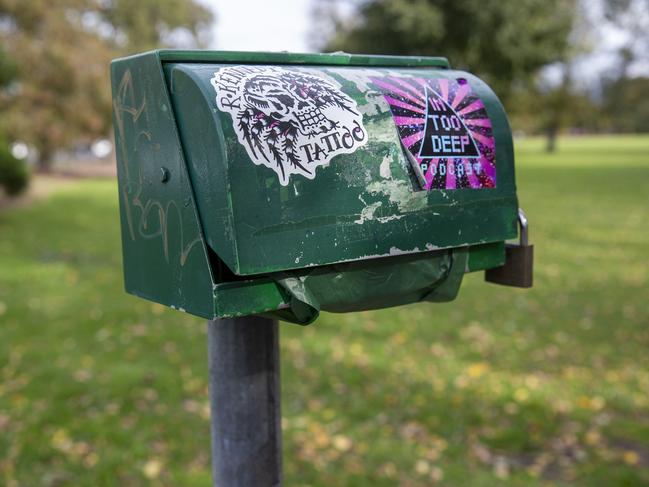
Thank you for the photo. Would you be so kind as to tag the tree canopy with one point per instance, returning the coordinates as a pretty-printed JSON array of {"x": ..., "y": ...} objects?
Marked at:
[
  {"x": 62, "y": 50},
  {"x": 7, "y": 68},
  {"x": 506, "y": 42}
]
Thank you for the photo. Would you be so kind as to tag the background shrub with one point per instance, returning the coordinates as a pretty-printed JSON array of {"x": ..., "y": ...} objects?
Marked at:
[{"x": 14, "y": 175}]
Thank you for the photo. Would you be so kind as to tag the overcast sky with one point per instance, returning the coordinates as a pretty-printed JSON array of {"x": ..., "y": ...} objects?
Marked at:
[{"x": 261, "y": 25}]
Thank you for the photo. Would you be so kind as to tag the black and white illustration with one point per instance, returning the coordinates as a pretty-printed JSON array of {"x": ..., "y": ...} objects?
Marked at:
[{"x": 289, "y": 120}]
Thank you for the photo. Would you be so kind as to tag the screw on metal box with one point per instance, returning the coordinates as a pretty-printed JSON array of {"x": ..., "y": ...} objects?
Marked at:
[{"x": 519, "y": 260}]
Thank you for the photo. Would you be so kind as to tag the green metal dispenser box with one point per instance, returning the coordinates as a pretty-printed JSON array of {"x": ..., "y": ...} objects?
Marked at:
[{"x": 285, "y": 184}]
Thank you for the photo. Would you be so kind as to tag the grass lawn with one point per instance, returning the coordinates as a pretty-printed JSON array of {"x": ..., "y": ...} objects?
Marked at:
[{"x": 548, "y": 386}]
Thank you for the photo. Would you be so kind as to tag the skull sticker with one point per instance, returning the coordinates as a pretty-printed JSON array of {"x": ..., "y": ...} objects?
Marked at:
[{"x": 291, "y": 121}]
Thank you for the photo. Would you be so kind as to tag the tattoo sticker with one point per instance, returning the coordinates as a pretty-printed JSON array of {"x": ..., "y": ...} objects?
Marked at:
[
  {"x": 290, "y": 121},
  {"x": 444, "y": 129}
]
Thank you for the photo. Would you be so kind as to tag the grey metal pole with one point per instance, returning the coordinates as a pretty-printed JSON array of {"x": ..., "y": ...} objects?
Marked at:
[{"x": 245, "y": 402}]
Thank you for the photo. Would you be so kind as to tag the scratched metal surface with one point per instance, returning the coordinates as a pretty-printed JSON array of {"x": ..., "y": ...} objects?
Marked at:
[
  {"x": 360, "y": 206},
  {"x": 163, "y": 250}
]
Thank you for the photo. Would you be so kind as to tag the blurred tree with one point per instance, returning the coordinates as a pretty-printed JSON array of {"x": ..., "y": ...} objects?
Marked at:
[
  {"x": 550, "y": 109},
  {"x": 13, "y": 173},
  {"x": 559, "y": 104},
  {"x": 505, "y": 42},
  {"x": 148, "y": 24},
  {"x": 63, "y": 49},
  {"x": 7, "y": 68},
  {"x": 631, "y": 17},
  {"x": 626, "y": 103},
  {"x": 624, "y": 96}
]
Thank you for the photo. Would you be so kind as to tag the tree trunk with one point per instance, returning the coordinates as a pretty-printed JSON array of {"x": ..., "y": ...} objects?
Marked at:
[
  {"x": 551, "y": 144},
  {"x": 45, "y": 160},
  {"x": 559, "y": 107}
]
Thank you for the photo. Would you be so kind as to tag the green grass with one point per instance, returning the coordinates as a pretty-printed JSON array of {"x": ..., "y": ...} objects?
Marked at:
[{"x": 548, "y": 386}]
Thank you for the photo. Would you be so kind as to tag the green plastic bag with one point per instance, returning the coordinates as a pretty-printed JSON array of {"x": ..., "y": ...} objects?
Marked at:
[{"x": 374, "y": 284}]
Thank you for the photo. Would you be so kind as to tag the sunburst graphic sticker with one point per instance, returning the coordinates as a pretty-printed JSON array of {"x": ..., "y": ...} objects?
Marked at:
[{"x": 445, "y": 129}]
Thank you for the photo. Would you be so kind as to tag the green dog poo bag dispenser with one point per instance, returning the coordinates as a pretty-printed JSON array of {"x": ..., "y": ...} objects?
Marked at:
[{"x": 286, "y": 184}]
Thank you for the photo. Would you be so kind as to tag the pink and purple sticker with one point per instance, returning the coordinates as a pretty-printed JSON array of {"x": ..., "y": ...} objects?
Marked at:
[{"x": 445, "y": 128}]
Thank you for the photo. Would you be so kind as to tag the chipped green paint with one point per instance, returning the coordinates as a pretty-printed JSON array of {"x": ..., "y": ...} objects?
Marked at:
[
  {"x": 400, "y": 193},
  {"x": 223, "y": 236}
]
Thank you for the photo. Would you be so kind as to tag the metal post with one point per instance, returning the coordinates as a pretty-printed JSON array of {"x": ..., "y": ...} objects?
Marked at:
[{"x": 245, "y": 402}]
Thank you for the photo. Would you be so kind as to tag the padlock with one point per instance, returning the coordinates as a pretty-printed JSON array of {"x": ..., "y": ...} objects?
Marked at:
[{"x": 519, "y": 260}]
